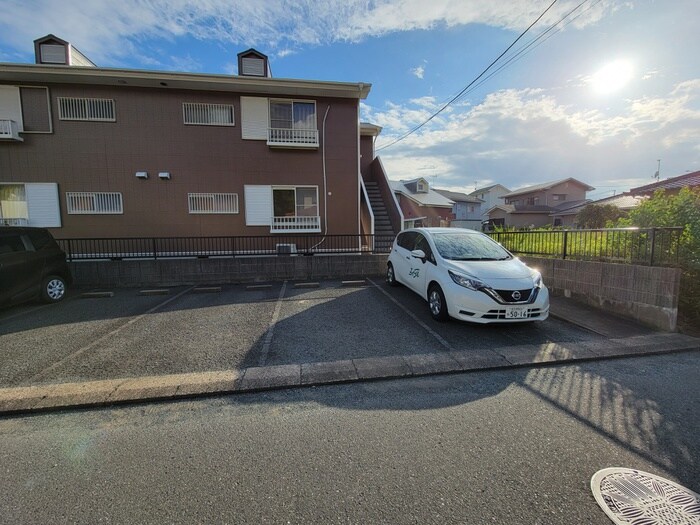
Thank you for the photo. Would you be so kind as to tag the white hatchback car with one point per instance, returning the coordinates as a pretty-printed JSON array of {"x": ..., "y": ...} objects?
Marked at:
[{"x": 466, "y": 275}]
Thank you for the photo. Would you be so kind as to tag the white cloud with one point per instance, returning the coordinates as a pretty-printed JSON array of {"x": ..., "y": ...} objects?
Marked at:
[
  {"x": 531, "y": 137},
  {"x": 107, "y": 31},
  {"x": 418, "y": 72}
]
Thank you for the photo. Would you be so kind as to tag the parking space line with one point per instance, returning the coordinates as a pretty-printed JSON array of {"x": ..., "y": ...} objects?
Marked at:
[
  {"x": 271, "y": 329},
  {"x": 413, "y": 316},
  {"x": 42, "y": 375}
]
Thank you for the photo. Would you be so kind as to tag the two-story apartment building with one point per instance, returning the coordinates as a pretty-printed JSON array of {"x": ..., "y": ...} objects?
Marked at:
[
  {"x": 535, "y": 205},
  {"x": 99, "y": 152}
]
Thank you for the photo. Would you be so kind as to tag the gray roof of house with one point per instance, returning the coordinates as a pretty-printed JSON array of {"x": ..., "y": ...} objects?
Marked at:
[
  {"x": 674, "y": 183},
  {"x": 624, "y": 201},
  {"x": 545, "y": 186},
  {"x": 431, "y": 198},
  {"x": 458, "y": 197},
  {"x": 486, "y": 189}
]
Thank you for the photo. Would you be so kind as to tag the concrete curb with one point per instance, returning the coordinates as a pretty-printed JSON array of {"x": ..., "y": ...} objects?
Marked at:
[{"x": 32, "y": 399}]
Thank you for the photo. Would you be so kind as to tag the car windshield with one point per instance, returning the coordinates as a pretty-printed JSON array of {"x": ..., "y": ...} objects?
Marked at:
[{"x": 469, "y": 247}]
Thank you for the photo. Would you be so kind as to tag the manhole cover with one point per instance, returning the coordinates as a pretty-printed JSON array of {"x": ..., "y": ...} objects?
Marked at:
[{"x": 633, "y": 497}]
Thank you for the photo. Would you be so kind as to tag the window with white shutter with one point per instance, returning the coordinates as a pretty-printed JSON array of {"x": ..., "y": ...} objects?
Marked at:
[
  {"x": 211, "y": 203},
  {"x": 97, "y": 109},
  {"x": 94, "y": 203},
  {"x": 208, "y": 114}
]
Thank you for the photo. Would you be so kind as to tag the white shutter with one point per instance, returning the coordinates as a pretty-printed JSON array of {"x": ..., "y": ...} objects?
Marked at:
[
  {"x": 254, "y": 118},
  {"x": 258, "y": 205},
  {"x": 42, "y": 202},
  {"x": 11, "y": 105}
]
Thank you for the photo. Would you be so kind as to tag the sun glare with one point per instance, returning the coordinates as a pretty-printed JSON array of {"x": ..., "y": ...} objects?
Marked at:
[{"x": 612, "y": 77}]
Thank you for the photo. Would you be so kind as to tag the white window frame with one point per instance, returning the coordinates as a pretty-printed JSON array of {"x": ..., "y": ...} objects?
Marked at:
[
  {"x": 203, "y": 110},
  {"x": 102, "y": 203},
  {"x": 221, "y": 203},
  {"x": 294, "y": 137},
  {"x": 102, "y": 106},
  {"x": 296, "y": 223}
]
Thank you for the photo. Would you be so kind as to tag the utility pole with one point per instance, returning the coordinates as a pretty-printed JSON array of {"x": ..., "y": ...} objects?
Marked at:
[{"x": 658, "y": 170}]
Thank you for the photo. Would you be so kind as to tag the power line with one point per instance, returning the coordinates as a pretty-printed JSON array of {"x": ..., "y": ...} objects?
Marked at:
[
  {"x": 524, "y": 50},
  {"x": 511, "y": 59}
]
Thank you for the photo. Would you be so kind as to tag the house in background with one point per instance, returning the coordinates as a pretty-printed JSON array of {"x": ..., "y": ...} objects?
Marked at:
[
  {"x": 100, "y": 152},
  {"x": 534, "y": 205},
  {"x": 672, "y": 185},
  {"x": 421, "y": 205},
  {"x": 567, "y": 217},
  {"x": 490, "y": 197},
  {"x": 466, "y": 209}
]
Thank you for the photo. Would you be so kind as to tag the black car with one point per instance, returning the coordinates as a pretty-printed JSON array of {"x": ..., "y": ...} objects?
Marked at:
[{"x": 32, "y": 266}]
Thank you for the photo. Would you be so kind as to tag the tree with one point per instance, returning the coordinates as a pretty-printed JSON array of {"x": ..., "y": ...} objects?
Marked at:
[
  {"x": 598, "y": 215},
  {"x": 682, "y": 209}
]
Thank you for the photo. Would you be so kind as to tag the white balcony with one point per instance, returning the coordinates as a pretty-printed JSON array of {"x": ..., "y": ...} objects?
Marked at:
[
  {"x": 9, "y": 130},
  {"x": 296, "y": 224},
  {"x": 292, "y": 138}
]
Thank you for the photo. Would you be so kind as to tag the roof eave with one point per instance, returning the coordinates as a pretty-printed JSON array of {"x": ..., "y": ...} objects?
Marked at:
[{"x": 41, "y": 73}]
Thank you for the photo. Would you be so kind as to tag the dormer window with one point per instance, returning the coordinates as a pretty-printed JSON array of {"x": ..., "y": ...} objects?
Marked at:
[
  {"x": 421, "y": 186},
  {"x": 252, "y": 63},
  {"x": 52, "y": 54}
]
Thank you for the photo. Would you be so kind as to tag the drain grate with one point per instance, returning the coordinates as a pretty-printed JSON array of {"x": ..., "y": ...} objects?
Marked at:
[{"x": 633, "y": 497}]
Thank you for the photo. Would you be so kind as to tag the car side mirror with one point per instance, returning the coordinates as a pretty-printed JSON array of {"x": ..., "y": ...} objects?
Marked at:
[{"x": 418, "y": 254}]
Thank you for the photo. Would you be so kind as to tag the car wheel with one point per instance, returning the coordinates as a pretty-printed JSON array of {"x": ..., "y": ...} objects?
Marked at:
[
  {"x": 390, "y": 276},
  {"x": 437, "y": 304},
  {"x": 53, "y": 289}
]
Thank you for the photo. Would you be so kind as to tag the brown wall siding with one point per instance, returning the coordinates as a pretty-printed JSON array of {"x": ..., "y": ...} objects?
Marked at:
[
  {"x": 367, "y": 152},
  {"x": 149, "y": 135}
]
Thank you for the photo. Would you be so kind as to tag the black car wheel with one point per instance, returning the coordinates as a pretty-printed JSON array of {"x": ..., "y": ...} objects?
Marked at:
[
  {"x": 437, "y": 304},
  {"x": 390, "y": 277},
  {"x": 53, "y": 289}
]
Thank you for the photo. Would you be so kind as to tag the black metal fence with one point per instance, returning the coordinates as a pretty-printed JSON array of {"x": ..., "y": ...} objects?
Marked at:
[
  {"x": 645, "y": 246},
  {"x": 204, "y": 247}
]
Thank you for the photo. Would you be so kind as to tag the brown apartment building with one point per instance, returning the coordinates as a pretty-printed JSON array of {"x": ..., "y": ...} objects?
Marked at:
[{"x": 96, "y": 152}]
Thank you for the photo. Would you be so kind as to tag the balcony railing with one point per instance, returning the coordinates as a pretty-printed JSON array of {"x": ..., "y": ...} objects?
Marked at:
[
  {"x": 9, "y": 130},
  {"x": 295, "y": 224},
  {"x": 292, "y": 138},
  {"x": 13, "y": 221}
]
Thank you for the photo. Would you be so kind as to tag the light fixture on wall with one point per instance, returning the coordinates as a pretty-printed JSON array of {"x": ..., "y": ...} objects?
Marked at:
[
  {"x": 141, "y": 174},
  {"x": 164, "y": 175}
]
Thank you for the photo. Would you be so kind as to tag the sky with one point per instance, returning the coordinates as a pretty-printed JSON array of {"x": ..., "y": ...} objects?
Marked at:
[{"x": 607, "y": 91}]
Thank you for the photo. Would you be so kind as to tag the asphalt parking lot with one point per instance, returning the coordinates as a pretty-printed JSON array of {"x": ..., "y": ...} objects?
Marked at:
[{"x": 235, "y": 327}]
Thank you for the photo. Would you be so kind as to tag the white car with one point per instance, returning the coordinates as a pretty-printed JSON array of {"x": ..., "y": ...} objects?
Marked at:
[{"x": 466, "y": 275}]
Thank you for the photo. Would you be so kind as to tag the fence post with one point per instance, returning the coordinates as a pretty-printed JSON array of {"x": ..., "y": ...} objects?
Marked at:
[
  {"x": 564, "y": 241},
  {"x": 70, "y": 251},
  {"x": 653, "y": 247},
  {"x": 153, "y": 243}
]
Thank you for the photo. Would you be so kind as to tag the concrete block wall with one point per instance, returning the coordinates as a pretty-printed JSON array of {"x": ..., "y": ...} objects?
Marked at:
[
  {"x": 646, "y": 294},
  {"x": 643, "y": 293},
  {"x": 172, "y": 272}
]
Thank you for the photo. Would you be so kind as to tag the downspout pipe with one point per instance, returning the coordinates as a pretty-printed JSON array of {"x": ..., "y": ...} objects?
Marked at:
[{"x": 325, "y": 182}]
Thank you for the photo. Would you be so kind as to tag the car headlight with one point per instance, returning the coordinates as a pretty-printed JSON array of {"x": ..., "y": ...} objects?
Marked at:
[
  {"x": 467, "y": 281},
  {"x": 537, "y": 280}
]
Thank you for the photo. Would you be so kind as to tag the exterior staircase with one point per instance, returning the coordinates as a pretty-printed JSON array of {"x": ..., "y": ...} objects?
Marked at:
[{"x": 383, "y": 231}]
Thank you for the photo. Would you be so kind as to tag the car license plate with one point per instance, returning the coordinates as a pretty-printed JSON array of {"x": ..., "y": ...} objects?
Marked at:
[{"x": 516, "y": 312}]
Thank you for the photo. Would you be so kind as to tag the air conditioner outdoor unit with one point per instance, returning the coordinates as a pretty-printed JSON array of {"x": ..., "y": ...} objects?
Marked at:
[{"x": 286, "y": 249}]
